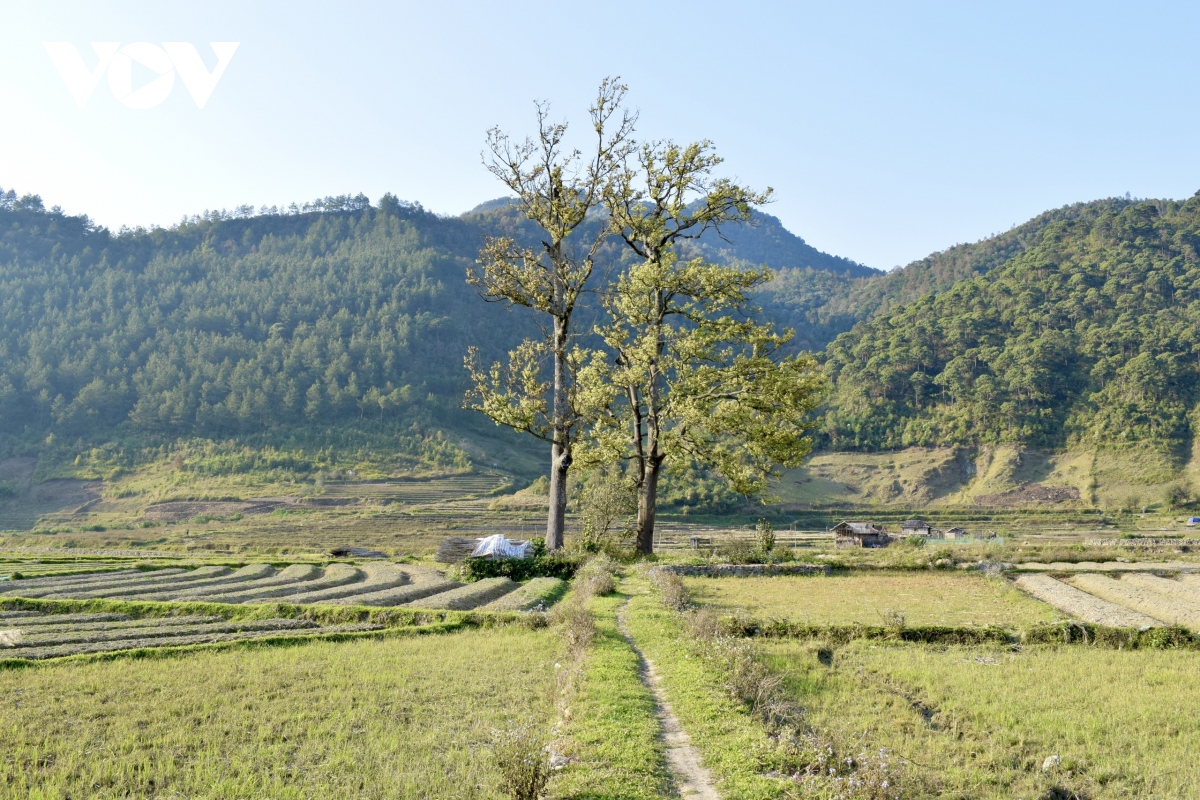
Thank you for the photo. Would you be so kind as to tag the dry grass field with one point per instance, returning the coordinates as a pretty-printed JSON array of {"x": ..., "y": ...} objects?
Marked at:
[
  {"x": 869, "y": 598},
  {"x": 976, "y": 723}
]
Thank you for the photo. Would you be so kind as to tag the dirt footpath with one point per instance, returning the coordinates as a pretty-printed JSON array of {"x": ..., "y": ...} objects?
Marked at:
[{"x": 688, "y": 775}]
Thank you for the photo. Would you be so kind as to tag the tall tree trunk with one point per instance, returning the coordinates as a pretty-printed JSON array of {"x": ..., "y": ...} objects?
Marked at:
[
  {"x": 560, "y": 463},
  {"x": 560, "y": 451},
  {"x": 648, "y": 505}
]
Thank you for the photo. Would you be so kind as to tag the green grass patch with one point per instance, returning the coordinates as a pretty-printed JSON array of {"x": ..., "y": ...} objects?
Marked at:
[
  {"x": 398, "y": 717},
  {"x": 320, "y": 614},
  {"x": 612, "y": 731}
]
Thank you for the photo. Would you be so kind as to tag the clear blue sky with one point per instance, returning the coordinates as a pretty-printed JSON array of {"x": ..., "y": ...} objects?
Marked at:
[{"x": 887, "y": 130}]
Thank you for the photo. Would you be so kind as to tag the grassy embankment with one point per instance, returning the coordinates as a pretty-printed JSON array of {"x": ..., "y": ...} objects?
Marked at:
[{"x": 612, "y": 730}]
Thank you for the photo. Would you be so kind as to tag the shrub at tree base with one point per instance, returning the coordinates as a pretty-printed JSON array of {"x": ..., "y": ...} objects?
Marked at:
[{"x": 542, "y": 565}]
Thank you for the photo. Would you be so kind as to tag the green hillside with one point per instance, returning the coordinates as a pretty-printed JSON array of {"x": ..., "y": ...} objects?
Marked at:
[{"x": 1089, "y": 335}]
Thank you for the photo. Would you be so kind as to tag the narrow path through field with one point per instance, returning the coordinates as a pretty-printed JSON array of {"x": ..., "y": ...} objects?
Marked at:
[{"x": 689, "y": 776}]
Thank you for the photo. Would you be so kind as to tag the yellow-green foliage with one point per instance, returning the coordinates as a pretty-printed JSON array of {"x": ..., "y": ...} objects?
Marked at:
[
  {"x": 977, "y": 724},
  {"x": 392, "y": 718},
  {"x": 923, "y": 598}
]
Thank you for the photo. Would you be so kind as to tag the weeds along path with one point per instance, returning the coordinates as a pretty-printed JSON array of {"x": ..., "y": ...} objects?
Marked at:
[{"x": 690, "y": 777}]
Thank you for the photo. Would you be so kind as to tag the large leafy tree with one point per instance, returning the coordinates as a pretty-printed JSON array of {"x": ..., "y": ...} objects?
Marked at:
[
  {"x": 696, "y": 377},
  {"x": 558, "y": 190}
]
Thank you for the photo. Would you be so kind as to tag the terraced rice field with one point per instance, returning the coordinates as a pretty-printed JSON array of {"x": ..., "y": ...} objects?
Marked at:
[
  {"x": 1134, "y": 600},
  {"x": 1084, "y": 606},
  {"x": 874, "y": 598},
  {"x": 537, "y": 593},
  {"x": 371, "y": 584},
  {"x": 35, "y": 636},
  {"x": 28, "y": 569},
  {"x": 1149, "y": 601}
]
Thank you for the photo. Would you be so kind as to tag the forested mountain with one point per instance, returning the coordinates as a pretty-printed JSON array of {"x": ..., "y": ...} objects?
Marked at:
[
  {"x": 765, "y": 241},
  {"x": 234, "y": 325},
  {"x": 330, "y": 323},
  {"x": 1090, "y": 333}
]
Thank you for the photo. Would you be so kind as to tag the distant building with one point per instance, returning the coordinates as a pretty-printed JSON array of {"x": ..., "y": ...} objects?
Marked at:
[
  {"x": 917, "y": 527},
  {"x": 859, "y": 534},
  {"x": 956, "y": 533}
]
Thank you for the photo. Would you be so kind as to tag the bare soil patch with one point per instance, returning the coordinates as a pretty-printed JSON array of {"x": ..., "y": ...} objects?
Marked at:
[
  {"x": 35, "y": 500},
  {"x": 183, "y": 510},
  {"x": 1030, "y": 494}
]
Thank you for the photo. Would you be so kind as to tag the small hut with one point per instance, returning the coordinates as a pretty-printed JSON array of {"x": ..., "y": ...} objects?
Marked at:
[
  {"x": 859, "y": 534},
  {"x": 956, "y": 533}
]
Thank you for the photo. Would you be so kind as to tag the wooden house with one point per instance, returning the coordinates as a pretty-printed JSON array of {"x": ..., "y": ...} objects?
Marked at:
[
  {"x": 918, "y": 527},
  {"x": 956, "y": 533},
  {"x": 859, "y": 534}
]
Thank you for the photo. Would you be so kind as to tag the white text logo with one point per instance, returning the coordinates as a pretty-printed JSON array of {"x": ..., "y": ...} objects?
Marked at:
[{"x": 118, "y": 61}]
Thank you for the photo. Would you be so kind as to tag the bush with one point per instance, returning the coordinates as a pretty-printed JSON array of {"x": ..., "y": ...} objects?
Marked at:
[
  {"x": 671, "y": 591},
  {"x": 522, "y": 760},
  {"x": 596, "y": 577},
  {"x": 739, "y": 551},
  {"x": 1179, "y": 495},
  {"x": 1074, "y": 632},
  {"x": 577, "y": 626},
  {"x": 606, "y": 504}
]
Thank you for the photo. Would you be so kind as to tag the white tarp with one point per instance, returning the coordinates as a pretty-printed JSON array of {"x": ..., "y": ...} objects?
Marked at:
[{"x": 496, "y": 546}]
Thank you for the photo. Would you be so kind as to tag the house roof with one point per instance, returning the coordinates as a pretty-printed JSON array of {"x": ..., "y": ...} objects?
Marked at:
[
  {"x": 914, "y": 523},
  {"x": 860, "y": 528}
]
